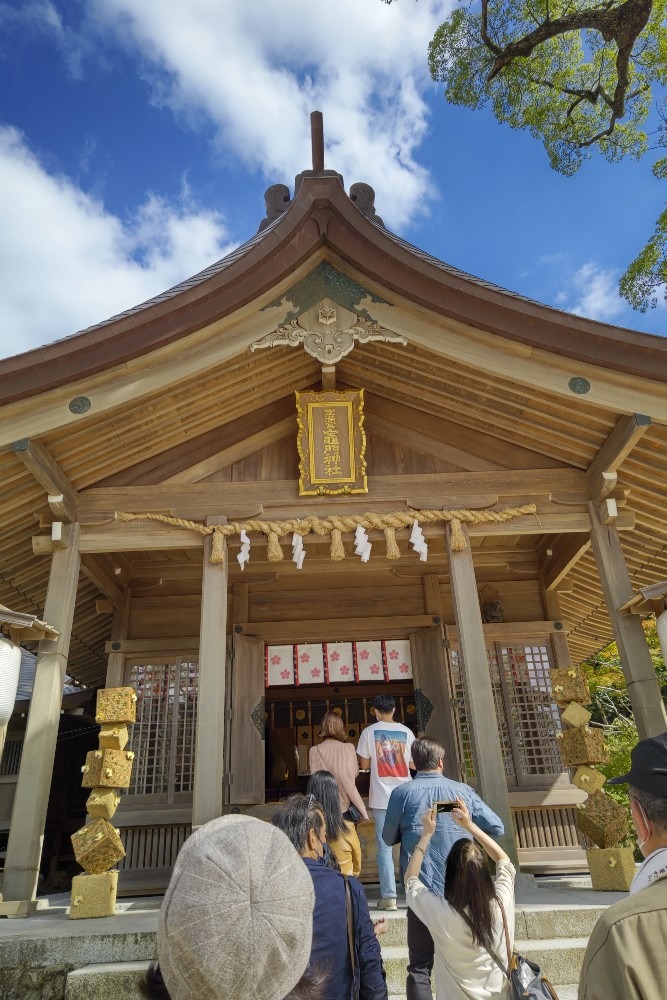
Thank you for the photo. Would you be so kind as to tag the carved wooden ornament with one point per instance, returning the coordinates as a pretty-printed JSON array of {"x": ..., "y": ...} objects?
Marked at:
[{"x": 331, "y": 442}]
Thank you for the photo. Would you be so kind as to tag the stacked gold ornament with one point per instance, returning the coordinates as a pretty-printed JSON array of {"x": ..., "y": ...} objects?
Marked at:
[
  {"x": 600, "y": 817},
  {"x": 97, "y": 845}
]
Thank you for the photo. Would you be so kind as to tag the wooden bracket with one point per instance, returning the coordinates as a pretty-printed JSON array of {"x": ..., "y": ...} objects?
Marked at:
[
  {"x": 602, "y": 472},
  {"x": 608, "y": 511}
]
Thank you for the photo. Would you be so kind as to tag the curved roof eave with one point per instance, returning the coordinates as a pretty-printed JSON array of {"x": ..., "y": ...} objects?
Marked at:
[{"x": 322, "y": 215}]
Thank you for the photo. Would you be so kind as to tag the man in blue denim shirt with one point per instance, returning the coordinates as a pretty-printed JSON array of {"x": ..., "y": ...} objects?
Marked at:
[{"x": 403, "y": 824}]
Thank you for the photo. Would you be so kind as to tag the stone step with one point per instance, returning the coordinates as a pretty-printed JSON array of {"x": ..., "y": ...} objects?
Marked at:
[
  {"x": 560, "y": 960},
  {"x": 117, "y": 980},
  {"x": 531, "y": 923},
  {"x": 112, "y": 981}
]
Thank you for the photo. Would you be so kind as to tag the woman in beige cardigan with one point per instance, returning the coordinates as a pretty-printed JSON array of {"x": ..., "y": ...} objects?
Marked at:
[{"x": 336, "y": 755}]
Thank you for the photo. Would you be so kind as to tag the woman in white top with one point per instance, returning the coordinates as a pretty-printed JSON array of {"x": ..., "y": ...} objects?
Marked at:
[{"x": 467, "y": 921}]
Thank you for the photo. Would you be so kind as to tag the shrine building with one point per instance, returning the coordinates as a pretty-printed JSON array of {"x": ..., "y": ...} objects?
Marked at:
[{"x": 325, "y": 467}]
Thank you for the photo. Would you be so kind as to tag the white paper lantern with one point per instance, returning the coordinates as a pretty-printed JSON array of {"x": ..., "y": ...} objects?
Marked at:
[{"x": 10, "y": 664}]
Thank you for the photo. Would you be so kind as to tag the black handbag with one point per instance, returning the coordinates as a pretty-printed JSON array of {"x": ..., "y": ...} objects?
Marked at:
[
  {"x": 353, "y": 813},
  {"x": 525, "y": 977}
]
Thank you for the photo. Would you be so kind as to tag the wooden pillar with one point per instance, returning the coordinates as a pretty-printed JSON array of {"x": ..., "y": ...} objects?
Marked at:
[
  {"x": 643, "y": 688},
  {"x": 489, "y": 767},
  {"x": 210, "y": 742},
  {"x": 119, "y": 629},
  {"x": 26, "y": 835}
]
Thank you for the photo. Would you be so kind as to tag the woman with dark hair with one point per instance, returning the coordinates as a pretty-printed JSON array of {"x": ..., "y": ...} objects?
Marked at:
[
  {"x": 302, "y": 820},
  {"x": 467, "y": 924},
  {"x": 342, "y": 839},
  {"x": 336, "y": 755}
]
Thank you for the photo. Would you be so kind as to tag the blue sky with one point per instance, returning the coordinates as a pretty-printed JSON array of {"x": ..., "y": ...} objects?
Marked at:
[{"x": 137, "y": 138}]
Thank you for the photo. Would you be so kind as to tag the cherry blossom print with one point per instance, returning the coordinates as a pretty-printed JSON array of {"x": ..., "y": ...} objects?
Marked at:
[
  {"x": 284, "y": 674},
  {"x": 315, "y": 672},
  {"x": 344, "y": 671},
  {"x": 375, "y": 669},
  {"x": 364, "y": 654},
  {"x": 335, "y": 656},
  {"x": 275, "y": 660},
  {"x": 393, "y": 654},
  {"x": 305, "y": 657},
  {"x": 403, "y": 667}
]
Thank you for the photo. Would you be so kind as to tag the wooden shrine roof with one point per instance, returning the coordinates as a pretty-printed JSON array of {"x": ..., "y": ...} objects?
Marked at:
[{"x": 178, "y": 398}]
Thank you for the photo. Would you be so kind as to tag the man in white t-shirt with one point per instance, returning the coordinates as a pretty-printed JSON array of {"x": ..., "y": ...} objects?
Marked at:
[{"x": 385, "y": 748}]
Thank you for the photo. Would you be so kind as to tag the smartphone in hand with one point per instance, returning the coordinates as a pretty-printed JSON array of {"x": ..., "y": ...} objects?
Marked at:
[{"x": 446, "y": 807}]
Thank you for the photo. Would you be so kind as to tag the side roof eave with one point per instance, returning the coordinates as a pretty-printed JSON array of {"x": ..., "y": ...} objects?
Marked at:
[{"x": 323, "y": 215}]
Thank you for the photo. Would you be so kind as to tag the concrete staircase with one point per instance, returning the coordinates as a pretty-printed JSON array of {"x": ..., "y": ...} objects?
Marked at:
[{"x": 102, "y": 959}]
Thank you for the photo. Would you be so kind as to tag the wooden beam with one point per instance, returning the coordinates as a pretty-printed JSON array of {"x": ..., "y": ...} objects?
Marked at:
[
  {"x": 188, "y": 453},
  {"x": 26, "y": 833},
  {"x": 502, "y": 631},
  {"x": 235, "y": 453},
  {"x": 210, "y": 765},
  {"x": 489, "y": 769},
  {"x": 212, "y": 498},
  {"x": 145, "y": 536},
  {"x": 119, "y": 629},
  {"x": 601, "y": 472},
  {"x": 38, "y": 459},
  {"x": 635, "y": 656},
  {"x": 565, "y": 554},
  {"x": 94, "y": 569},
  {"x": 494, "y": 451},
  {"x": 139, "y": 536},
  {"x": 333, "y": 629},
  {"x": 429, "y": 445},
  {"x": 328, "y": 378}
]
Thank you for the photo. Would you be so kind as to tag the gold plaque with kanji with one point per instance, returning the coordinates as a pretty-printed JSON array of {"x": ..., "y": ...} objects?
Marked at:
[{"x": 332, "y": 443}]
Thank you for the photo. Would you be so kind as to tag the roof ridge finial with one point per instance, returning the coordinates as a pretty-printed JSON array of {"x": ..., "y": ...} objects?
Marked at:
[{"x": 317, "y": 140}]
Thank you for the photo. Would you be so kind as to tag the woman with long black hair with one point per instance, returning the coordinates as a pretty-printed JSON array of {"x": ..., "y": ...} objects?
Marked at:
[
  {"x": 466, "y": 924},
  {"x": 342, "y": 839}
]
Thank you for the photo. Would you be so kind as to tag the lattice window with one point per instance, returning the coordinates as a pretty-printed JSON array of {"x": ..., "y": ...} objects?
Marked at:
[
  {"x": 11, "y": 757},
  {"x": 534, "y": 714},
  {"x": 163, "y": 737},
  {"x": 527, "y": 718}
]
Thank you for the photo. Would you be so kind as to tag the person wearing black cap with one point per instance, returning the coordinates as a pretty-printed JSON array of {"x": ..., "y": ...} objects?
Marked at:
[{"x": 626, "y": 957}]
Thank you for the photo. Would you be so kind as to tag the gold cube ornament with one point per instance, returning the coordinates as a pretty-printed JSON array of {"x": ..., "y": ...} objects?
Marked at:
[
  {"x": 602, "y": 820},
  {"x": 569, "y": 684},
  {"x": 113, "y": 736},
  {"x": 574, "y": 715},
  {"x": 116, "y": 705},
  {"x": 107, "y": 769},
  {"x": 588, "y": 779},
  {"x": 582, "y": 746},
  {"x": 94, "y": 895},
  {"x": 103, "y": 802},
  {"x": 612, "y": 869},
  {"x": 97, "y": 846}
]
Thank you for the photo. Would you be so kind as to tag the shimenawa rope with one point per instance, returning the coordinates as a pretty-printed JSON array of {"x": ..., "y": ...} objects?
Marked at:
[{"x": 334, "y": 527}]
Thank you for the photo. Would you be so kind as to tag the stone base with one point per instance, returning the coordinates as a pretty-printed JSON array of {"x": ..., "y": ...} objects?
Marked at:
[
  {"x": 94, "y": 895},
  {"x": 612, "y": 869}
]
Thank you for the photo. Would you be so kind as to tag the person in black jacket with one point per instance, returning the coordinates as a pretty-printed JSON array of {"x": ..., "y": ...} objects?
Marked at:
[{"x": 302, "y": 820}]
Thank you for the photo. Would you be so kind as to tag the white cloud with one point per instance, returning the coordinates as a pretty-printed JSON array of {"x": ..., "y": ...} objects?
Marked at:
[
  {"x": 256, "y": 69},
  {"x": 66, "y": 262},
  {"x": 592, "y": 291}
]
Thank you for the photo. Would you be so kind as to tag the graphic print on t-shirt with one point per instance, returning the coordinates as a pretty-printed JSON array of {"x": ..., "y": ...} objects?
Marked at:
[{"x": 390, "y": 753}]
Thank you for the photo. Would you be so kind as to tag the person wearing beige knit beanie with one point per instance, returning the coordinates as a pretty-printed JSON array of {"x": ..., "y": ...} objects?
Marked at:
[{"x": 237, "y": 918}]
